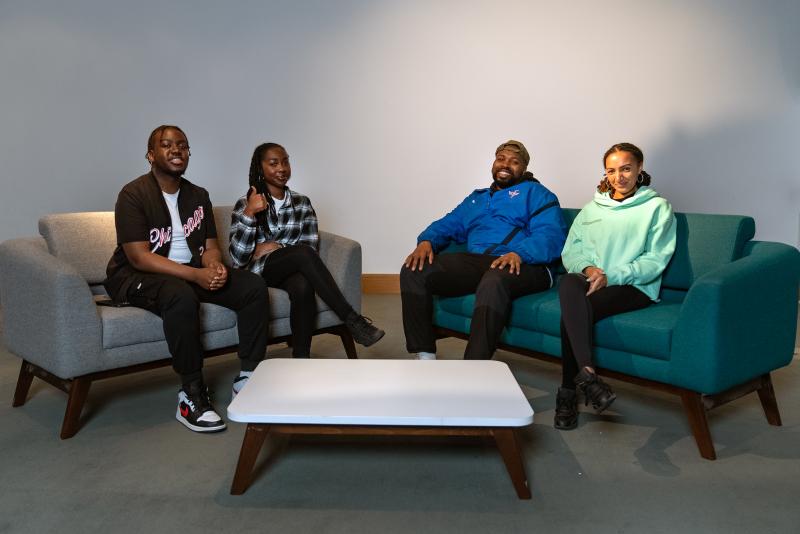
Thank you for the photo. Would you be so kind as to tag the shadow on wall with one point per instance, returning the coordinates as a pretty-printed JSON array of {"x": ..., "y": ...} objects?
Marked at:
[{"x": 745, "y": 166}]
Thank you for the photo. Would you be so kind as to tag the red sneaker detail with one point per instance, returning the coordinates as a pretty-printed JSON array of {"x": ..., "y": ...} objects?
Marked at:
[{"x": 184, "y": 411}]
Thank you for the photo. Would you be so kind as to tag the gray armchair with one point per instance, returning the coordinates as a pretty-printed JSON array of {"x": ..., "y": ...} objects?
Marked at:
[{"x": 49, "y": 287}]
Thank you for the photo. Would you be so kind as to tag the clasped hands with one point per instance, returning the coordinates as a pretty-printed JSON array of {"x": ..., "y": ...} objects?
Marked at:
[{"x": 213, "y": 276}]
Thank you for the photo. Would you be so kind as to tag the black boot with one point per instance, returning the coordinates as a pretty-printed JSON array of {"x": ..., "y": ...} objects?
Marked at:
[
  {"x": 362, "y": 329},
  {"x": 566, "y": 417},
  {"x": 595, "y": 389}
]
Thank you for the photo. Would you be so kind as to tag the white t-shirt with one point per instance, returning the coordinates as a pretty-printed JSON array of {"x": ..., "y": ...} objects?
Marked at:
[
  {"x": 279, "y": 202},
  {"x": 179, "y": 248}
]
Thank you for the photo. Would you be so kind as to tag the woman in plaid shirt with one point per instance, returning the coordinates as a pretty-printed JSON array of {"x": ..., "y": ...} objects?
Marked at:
[{"x": 274, "y": 233}]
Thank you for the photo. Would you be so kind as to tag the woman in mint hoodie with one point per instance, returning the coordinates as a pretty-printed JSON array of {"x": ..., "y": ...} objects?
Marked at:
[{"x": 615, "y": 254}]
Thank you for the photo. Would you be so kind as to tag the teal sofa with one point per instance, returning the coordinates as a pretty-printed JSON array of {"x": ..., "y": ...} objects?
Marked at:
[{"x": 726, "y": 319}]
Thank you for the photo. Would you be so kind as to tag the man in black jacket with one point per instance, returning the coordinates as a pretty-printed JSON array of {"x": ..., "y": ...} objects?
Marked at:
[{"x": 168, "y": 261}]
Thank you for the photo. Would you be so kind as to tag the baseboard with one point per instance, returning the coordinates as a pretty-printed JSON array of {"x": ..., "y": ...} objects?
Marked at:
[{"x": 380, "y": 284}]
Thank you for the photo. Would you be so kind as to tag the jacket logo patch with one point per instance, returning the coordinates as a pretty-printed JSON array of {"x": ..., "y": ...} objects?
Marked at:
[{"x": 512, "y": 194}]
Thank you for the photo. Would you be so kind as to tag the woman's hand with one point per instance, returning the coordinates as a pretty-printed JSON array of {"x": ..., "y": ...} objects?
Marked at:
[
  {"x": 596, "y": 278},
  {"x": 255, "y": 203},
  {"x": 262, "y": 249}
]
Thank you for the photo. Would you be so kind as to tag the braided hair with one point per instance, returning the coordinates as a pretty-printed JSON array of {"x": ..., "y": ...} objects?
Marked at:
[
  {"x": 151, "y": 141},
  {"x": 643, "y": 179},
  {"x": 256, "y": 179}
]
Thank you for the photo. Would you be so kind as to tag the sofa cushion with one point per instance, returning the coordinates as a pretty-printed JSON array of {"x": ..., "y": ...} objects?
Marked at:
[
  {"x": 131, "y": 325},
  {"x": 705, "y": 242},
  {"x": 647, "y": 332},
  {"x": 84, "y": 240}
]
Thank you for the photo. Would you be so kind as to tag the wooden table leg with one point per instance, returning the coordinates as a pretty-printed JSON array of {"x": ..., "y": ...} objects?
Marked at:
[
  {"x": 254, "y": 438},
  {"x": 506, "y": 441}
]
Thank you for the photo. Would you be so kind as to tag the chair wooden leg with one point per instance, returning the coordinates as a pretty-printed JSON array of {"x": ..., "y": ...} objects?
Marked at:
[
  {"x": 696, "y": 412},
  {"x": 78, "y": 390},
  {"x": 347, "y": 341},
  {"x": 23, "y": 384},
  {"x": 766, "y": 393}
]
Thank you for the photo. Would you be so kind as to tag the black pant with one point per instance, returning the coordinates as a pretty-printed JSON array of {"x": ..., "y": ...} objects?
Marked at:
[
  {"x": 177, "y": 302},
  {"x": 299, "y": 271},
  {"x": 579, "y": 313},
  {"x": 457, "y": 274}
]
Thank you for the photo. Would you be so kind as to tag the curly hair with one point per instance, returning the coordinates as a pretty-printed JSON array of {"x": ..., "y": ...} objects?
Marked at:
[{"x": 643, "y": 179}]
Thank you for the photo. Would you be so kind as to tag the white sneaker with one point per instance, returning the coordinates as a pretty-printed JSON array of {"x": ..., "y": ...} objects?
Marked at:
[
  {"x": 426, "y": 355},
  {"x": 239, "y": 382}
]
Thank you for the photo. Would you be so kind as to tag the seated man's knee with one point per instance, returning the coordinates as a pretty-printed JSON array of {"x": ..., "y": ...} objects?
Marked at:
[
  {"x": 409, "y": 277},
  {"x": 493, "y": 280},
  {"x": 178, "y": 298},
  {"x": 254, "y": 286}
]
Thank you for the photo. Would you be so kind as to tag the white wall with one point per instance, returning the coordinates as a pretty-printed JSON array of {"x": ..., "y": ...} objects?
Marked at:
[{"x": 391, "y": 110}]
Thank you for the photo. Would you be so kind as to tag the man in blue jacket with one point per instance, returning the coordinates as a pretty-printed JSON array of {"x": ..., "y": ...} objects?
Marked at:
[{"x": 513, "y": 231}]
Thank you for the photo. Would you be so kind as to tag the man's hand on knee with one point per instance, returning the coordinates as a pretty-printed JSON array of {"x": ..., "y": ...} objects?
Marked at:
[
  {"x": 510, "y": 260},
  {"x": 421, "y": 254}
]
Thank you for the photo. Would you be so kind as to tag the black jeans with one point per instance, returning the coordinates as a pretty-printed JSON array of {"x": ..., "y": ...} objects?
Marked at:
[
  {"x": 177, "y": 302},
  {"x": 457, "y": 274},
  {"x": 299, "y": 271},
  {"x": 579, "y": 313}
]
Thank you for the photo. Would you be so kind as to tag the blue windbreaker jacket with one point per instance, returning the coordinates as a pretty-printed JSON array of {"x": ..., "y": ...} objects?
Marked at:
[{"x": 483, "y": 220}]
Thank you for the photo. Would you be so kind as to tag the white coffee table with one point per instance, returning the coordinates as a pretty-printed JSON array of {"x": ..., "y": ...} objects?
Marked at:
[{"x": 382, "y": 397}]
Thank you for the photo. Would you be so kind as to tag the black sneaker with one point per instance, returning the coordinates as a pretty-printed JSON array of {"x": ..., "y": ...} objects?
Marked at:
[
  {"x": 195, "y": 410},
  {"x": 595, "y": 390},
  {"x": 364, "y": 333},
  {"x": 566, "y": 417}
]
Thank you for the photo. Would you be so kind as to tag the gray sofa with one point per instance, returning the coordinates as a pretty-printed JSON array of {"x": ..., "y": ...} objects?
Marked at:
[{"x": 49, "y": 287}]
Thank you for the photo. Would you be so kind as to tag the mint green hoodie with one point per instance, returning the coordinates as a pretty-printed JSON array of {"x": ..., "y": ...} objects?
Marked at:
[{"x": 631, "y": 241}]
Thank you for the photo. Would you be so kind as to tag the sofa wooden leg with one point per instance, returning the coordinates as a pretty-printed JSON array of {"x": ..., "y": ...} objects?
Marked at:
[
  {"x": 23, "y": 384},
  {"x": 347, "y": 341},
  {"x": 78, "y": 390},
  {"x": 696, "y": 412},
  {"x": 766, "y": 393}
]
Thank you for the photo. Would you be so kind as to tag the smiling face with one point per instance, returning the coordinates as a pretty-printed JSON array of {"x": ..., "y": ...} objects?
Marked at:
[
  {"x": 170, "y": 153},
  {"x": 622, "y": 171},
  {"x": 276, "y": 170},
  {"x": 507, "y": 168}
]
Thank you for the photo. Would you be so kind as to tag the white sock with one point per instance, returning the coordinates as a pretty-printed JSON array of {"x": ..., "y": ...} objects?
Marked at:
[
  {"x": 426, "y": 355},
  {"x": 245, "y": 374}
]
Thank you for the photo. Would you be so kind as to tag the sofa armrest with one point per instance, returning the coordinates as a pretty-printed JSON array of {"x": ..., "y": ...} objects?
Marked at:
[
  {"x": 343, "y": 258},
  {"x": 49, "y": 315},
  {"x": 738, "y": 321}
]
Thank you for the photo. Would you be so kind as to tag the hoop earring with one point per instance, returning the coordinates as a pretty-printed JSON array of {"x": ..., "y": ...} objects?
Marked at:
[{"x": 640, "y": 179}]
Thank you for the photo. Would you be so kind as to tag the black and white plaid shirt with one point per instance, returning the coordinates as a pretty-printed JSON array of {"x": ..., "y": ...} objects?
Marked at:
[{"x": 295, "y": 223}]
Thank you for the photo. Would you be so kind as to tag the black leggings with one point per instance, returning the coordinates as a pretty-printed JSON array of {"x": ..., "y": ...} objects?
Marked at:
[
  {"x": 299, "y": 271},
  {"x": 579, "y": 313}
]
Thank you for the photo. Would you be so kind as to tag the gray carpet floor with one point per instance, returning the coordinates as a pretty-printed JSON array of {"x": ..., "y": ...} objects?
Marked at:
[{"x": 635, "y": 468}]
